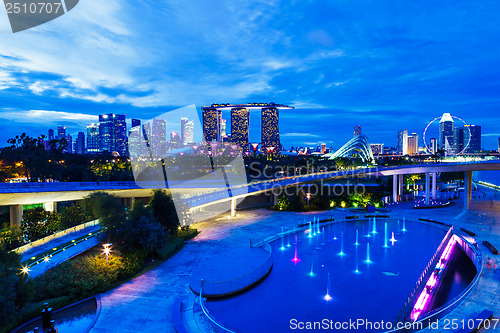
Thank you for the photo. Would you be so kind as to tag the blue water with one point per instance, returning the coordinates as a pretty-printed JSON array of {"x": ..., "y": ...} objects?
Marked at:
[
  {"x": 74, "y": 319},
  {"x": 289, "y": 292},
  {"x": 492, "y": 177}
]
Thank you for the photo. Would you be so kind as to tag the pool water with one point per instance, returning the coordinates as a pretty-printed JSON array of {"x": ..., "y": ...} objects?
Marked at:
[
  {"x": 74, "y": 319},
  {"x": 296, "y": 290}
]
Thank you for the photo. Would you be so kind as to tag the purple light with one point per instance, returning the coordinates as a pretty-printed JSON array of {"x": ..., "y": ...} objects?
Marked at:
[
  {"x": 425, "y": 295},
  {"x": 295, "y": 259}
]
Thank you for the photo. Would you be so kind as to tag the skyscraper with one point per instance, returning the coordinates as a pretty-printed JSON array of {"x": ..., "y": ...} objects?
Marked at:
[
  {"x": 446, "y": 132},
  {"x": 413, "y": 144},
  {"x": 433, "y": 146},
  {"x": 135, "y": 138},
  {"x": 403, "y": 142},
  {"x": 377, "y": 148},
  {"x": 80, "y": 143},
  {"x": 475, "y": 138},
  {"x": 113, "y": 133},
  {"x": 61, "y": 132},
  {"x": 357, "y": 130},
  {"x": 159, "y": 137},
  {"x": 240, "y": 120},
  {"x": 188, "y": 133},
  {"x": 69, "y": 147},
  {"x": 120, "y": 134},
  {"x": 51, "y": 135},
  {"x": 92, "y": 138},
  {"x": 175, "y": 140},
  {"x": 211, "y": 124},
  {"x": 223, "y": 129},
  {"x": 183, "y": 123},
  {"x": 459, "y": 139},
  {"x": 270, "y": 133}
]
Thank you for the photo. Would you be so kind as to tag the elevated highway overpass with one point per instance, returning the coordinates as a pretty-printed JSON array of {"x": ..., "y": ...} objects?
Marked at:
[{"x": 203, "y": 194}]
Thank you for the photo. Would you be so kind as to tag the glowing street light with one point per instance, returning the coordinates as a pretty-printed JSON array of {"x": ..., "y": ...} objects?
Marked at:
[
  {"x": 107, "y": 250},
  {"x": 25, "y": 270},
  {"x": 308, "y": 196}
]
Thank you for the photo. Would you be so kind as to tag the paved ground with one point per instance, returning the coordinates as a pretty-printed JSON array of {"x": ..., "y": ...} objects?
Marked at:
[{"x": 145, "y": 303}]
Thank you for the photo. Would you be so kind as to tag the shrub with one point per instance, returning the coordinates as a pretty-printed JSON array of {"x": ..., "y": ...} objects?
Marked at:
[
  {"x": 38, "y": 223},
  {"x": 74, "y": 215}
]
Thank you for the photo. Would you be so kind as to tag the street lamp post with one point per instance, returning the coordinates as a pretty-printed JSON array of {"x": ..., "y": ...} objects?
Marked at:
[
  {"x": 308, "y": 196},
  {"x": 107, "y": 250},
  {"x": 254, "y": 146}
]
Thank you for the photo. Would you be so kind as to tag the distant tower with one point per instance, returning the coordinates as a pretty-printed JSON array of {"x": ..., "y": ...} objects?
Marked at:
[
  {"x": 92, "y": 138},
  {"x": 446, "y": 131},
  {"x": 159, "y": 137},
  {"x": 434, "y": 146},
  {"x": 135, "y": 139},
  {"x": 80, "y": 143},
  {"x": 270, "y": 132},
  {"x": 51, "y": 134},
  {"x": 239, "y": 127},
  {"x": 188, "y": 133},
  {"x": 357, "y": 130},
  {"x": 211, "y": 124},
  {"x": 223, "y": 129},
  {"x": 475, "y": 138},
  {"x": 413, "y": 144},
  {"x": 183, "y": 123},
  {"x": 403, "y": 142}
]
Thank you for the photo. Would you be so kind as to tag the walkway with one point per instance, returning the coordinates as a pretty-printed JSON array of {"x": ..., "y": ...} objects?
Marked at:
[
  {"x": 60, "y": 257},
  {"x": 144, "y": 304}
]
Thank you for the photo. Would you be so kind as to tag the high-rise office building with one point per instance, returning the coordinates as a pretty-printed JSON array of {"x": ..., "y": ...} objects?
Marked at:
[
  {"x": 61, "y": 132},
  {"x": 159, "y": 137},
  {"x": 446, "y": 133},
  {"x": 211, "y": 124},
  {"x": 323, "y": 148},
  {"x": 240, "y": 120},
  {"x": 135, "y": 137},
  {"x": 223, "y": 129},
  {"x": 69, "y": 147},
  {"x": 175, "y": 140},
  {"x": 188, "y": 136},
  {"x": 377, "y": 148},
  {"x": 357, "y": 130},
  {"x": 433, "y": 146},
  {"x": 51, "y": 135},
  {"x": 475, "y": 138},
  {"x": 183, "y": 124},
  {"x": 80, "y": 143},
  {"x": 113, "y": 133},
  {"x": 459, "y": 139},
  {"x": 93, "y": 138},
  {"x": 270, "y": 132},
  {"x": 403, "y": 142},
  {"x": 413, "y": 144}
]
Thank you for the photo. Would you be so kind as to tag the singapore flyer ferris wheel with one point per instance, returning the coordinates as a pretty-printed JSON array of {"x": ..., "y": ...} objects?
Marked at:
[{"x": 447, "y": 136}]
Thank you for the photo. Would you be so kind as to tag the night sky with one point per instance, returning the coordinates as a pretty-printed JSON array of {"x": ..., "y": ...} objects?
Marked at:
[{"x": 384, "y": 65}]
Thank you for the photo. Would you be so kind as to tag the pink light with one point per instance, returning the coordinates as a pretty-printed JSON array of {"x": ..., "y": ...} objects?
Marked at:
[
  {"x": 295, "y": 259},
  {"x": 425, "y": 297},
  {"x": 327, "y": 298}
]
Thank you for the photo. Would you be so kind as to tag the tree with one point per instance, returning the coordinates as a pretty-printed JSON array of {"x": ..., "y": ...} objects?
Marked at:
[
  {"x": 15, "y": 290},
  {"x": 142, "y": 233},
  {"x": 108, "y": 209},
  {"x": 74, "y": 215},
  {"x": 38, "y": 223},
  {"x": 164, "y": 211}
]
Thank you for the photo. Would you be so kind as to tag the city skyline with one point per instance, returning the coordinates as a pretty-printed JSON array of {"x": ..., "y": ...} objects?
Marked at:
[{"x": 382, "y": 68}]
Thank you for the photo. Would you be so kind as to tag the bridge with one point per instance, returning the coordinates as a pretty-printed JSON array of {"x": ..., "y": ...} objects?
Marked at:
[{"x": 201, "y": 194}]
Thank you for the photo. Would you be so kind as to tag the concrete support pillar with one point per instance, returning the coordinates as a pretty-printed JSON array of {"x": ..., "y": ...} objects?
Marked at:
[
  {"x": 467, "y": 189},
  {"x": 16, "y": 215},
  {"x": 434, "y": 185},
  {"x": 233, "y": 207},
  {"x": 401, "y": 184},
  {"x": 395, "y": 188},
  {"x": 50, "y": 207},
  {"x": 427, "y": 188}
]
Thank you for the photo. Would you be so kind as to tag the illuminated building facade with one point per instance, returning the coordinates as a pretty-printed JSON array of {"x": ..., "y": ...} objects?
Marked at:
[
  {"x": 377, "y": 148},
  {"x": 211, "y": 124},
  {"x": 433, "y": 146},
  {"x": 92, "y": 138},
  {"x": 240, "y": 121},
  {"x": 446, "y": 132},
  {"x": 80, "y": 143},
  {"x": 187, "y": 132},
  {"x": 270, "y": 133},
  {"x": 475, "y": 138},
  {"x": 159, "y": 137},
  {"x": 413, "y": 144},
  {"x": 113, "y": 133},
  {"x": 403, "y": 142}
]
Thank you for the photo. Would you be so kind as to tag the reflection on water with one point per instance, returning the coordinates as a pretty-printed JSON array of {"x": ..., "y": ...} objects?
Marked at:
[{"x": 75, "y": 319}]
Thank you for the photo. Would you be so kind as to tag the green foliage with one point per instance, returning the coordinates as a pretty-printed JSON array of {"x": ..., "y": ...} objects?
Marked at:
[
  {"x": 38, "y": 223},
  {"x": 108, "y": 209},
  {"x": 74, "y": 215},
  {"x": 11, "y": 238},
  {"x": 164, "y": 211},
  {"x": 143, "y": 233},
  {"x": 283, "y": 203}
]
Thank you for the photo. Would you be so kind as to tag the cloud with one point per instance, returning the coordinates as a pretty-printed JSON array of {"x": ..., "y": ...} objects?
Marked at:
[
  {"x": 304, "y": 135},
  {"x": 45, "y": 116}
]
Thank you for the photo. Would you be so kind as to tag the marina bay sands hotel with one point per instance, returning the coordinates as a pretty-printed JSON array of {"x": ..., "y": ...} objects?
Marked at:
[{"x": 240, "y": 124}]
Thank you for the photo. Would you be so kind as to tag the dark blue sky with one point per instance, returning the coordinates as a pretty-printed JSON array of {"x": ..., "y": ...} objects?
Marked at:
[{"x": 384, "y": 65}]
